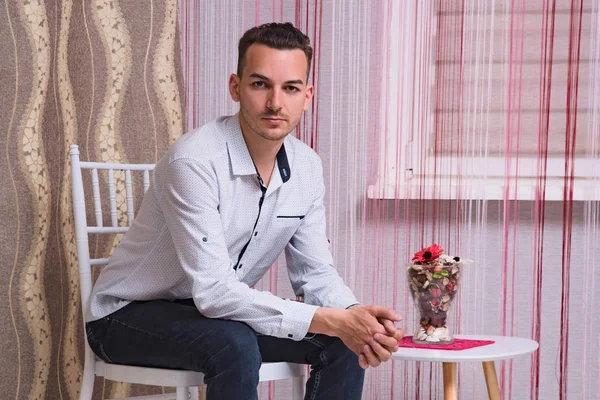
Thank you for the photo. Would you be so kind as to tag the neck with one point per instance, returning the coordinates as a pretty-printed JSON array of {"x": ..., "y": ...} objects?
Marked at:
[{"x": 262, "y": 151}]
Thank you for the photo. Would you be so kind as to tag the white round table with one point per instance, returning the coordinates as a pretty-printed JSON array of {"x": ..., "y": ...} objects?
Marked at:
[{"x": 505, "y": 347}]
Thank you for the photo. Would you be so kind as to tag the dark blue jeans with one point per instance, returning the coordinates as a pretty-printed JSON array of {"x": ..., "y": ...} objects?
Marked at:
[{"x": 175, "y": 335}]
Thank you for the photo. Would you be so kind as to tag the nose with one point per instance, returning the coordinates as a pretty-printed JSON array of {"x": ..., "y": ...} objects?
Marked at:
[{"x": 274, "y": 100}]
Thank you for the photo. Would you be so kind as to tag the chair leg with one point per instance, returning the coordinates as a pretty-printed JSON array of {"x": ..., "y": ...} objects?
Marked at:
[
  {"x": 193, "y": 392},
  {"x": 298, "y": 388},
  {"x": 87, "y": 380},
  {"x": 182, "y": 393}
]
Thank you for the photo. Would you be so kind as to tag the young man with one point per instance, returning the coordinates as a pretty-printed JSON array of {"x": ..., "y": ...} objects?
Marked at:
[{"x": 224, "y": 203}]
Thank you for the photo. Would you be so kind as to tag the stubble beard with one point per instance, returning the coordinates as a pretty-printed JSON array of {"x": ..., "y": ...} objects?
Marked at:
[{"x": 264, "y": 134}]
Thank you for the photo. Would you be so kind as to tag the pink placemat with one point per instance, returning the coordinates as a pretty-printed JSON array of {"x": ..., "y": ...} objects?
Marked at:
[{"x": 459, "y": 344}]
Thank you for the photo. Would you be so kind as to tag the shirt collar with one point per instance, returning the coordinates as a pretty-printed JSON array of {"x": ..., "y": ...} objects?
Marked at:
[
  {"x": 283, "y": 164},
  {"x": 239, "y": 156}
]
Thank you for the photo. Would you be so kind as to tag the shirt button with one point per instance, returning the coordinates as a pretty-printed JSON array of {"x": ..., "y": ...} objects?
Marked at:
[
  {"x": 290, "y": 335},
  {"x": 204, "y": 239},
  {"x": 255, "y": 233},
  {"x": 240, "y": 266}
]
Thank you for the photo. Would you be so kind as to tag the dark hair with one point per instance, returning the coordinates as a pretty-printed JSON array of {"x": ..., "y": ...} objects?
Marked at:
[{"x": 277, "y": 36}]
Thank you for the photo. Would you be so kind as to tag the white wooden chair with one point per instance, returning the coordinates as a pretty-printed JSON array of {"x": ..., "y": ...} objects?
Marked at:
[{"x": 185, "y": 382}]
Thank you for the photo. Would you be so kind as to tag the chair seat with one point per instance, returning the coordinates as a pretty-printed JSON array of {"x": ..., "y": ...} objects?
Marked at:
[{"x": 182, "y": 378}]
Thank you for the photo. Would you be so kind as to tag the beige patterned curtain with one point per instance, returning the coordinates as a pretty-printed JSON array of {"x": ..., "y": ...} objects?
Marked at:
[{"x": 104, "y": 74}]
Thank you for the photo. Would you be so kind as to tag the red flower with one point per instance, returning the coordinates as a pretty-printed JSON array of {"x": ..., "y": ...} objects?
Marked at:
[{"x": 428, "y": 254}]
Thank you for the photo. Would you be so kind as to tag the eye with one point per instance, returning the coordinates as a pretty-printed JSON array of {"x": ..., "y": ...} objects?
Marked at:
[
  {"x": 292, "y": 89},
  {"x": 258, "y": 84}
]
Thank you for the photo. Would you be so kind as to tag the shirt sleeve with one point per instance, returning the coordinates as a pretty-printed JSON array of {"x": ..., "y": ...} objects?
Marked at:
[
  {"x": 190, "y": 205},
  {"x": 309, "y": 261}
]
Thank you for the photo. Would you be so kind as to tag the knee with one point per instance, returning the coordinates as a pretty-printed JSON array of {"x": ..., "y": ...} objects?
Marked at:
[
  {"x": 342, "y": 352},
  {"x": 335, "y": 353},
  {"x": 338, "y": 350},
  {"x": 243, "y": 346},
  {"x": 345, "y": 359},
  {"x": 237, "y": 350}
]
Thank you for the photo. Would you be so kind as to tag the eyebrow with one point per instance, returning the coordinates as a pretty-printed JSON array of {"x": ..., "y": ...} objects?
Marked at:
[{"x": 264, "y": 78}]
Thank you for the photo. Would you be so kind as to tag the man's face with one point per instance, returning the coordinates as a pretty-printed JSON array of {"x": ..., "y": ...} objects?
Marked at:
[{"x": 272, "y": 91}]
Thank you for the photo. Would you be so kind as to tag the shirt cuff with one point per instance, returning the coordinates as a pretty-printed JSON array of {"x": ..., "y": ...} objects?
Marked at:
[{"x": 296, "y": 320}]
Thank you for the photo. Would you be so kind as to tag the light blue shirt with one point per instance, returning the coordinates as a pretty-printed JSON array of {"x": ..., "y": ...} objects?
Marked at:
[{"x": 209, "y": 230}]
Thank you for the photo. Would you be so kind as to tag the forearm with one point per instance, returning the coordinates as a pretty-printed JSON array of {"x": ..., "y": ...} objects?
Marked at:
[
  {"x": 261, "y": 310},
  {"x": 327, "y": 321},
  {"x": 316, "y": 280}
]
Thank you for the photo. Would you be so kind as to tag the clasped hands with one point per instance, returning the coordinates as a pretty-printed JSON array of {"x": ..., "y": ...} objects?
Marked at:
[{"x": 370, "y": 332}]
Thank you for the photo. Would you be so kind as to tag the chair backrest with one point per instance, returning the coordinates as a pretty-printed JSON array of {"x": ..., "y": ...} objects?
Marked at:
[
  {"x": 111, "y": 180},
  {"x": 118, "y": 177}
]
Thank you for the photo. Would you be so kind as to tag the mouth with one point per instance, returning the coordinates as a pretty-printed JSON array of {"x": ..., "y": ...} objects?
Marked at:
[{"x": 274, "y": 120}]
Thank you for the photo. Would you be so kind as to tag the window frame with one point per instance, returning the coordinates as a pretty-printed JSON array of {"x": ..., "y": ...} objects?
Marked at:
[{"x": 405, "y": 172}]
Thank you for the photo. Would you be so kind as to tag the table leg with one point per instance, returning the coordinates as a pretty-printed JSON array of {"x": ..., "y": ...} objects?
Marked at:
[
  {"x": 491, "y": 380},
  {"x": 450, "y": 390}
]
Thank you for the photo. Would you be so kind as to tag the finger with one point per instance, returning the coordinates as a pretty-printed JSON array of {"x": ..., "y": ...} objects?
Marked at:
[
  {"x": 382, "y": 353},
  {"x": 372, "y": 359},
  {"x": 389, "y": 326},
  {"x": 362, "y": 361},
  {"x": 385, "y": 312},
  {"x": 388, "y": 342},
  {"x": 399, "y": 334}
]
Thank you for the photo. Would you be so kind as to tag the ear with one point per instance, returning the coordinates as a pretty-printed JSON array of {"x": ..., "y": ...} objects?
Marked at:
[
  {"x": 309, "y": 96},
  {"x": 234, "y": 87}
]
